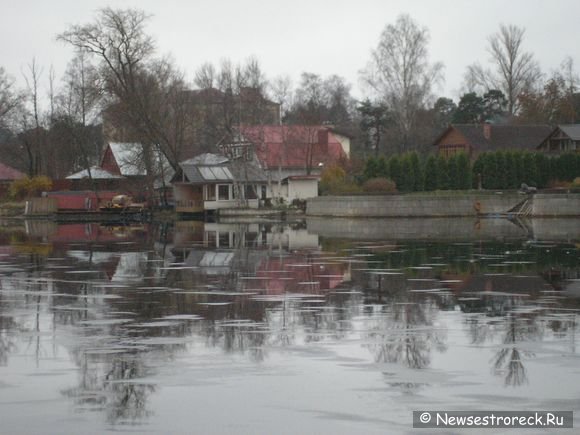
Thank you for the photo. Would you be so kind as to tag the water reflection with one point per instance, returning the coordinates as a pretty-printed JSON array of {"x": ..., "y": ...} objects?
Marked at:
[{"x": 127, "y": 302}]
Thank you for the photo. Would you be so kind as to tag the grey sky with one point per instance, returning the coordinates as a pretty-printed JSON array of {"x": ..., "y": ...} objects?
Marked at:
[{"x": 289, "y": 37}]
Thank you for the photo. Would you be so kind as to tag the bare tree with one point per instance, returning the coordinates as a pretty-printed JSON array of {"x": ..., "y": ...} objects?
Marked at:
[
  {"x": 10, "y": 98},
  {"x": 281, "y": 92},
  {"x": 513, "y": 72},
  {"x": 400, "y": 73},
  {"x": 33, "y": 137},
  {"x": 139, "y": 86}
]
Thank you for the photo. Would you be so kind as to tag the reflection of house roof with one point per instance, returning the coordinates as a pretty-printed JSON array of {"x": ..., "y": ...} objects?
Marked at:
[
  {"x": 294, "y": 145},
  {"x": 96, "y": 173},
  {"x": 8, "y": 173},
  {"x": 206, "y": 159},
  {"x": 212, "y": 168},
  {"x": 532, "y": 284}
]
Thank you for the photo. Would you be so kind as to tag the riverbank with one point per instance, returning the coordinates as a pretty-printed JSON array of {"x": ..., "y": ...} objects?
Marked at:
[{"x": 468, "y": 204}]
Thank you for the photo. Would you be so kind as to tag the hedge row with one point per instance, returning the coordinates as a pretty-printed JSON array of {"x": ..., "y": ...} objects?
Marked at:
[{"x": 494, "y": 170}]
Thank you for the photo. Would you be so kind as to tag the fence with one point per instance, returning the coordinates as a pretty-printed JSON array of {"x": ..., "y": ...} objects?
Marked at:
[{"x": 40, "y": 206}]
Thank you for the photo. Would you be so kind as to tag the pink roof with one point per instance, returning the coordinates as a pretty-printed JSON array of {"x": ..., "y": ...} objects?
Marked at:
[
  {"x": 294, "y": 146},
  {"x": 8, "y": 173}
]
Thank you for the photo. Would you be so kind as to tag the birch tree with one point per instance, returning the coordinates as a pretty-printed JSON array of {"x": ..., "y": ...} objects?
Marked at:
[
  {"x": 400, "y": 74},
  {"x": 513, "y": 70}
]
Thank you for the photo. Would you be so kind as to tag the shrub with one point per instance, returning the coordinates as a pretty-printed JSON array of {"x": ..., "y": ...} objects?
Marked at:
[
  {"x": 576, "y": 183},
  {"x": 28, "y": 187},
  {"x": 334, "y": 182},
  {"x": 379, "y": 185}
]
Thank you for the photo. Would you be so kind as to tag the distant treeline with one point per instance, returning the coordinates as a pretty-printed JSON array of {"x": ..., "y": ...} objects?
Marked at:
[{"x": 491, "y": 170}]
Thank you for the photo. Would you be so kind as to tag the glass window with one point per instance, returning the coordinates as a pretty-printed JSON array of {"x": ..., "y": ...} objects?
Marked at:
[
  {"x": 223, "y": 192},
  {"x": 224, "y": 240},
  {"x": 210, "y": 192},
  {"x": 251, "y": 192}
]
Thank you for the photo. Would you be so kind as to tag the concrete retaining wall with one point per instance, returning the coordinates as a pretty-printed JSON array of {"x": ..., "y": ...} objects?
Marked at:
[
  {"x": 469, "y": 205},
  {"x": 556, "y": 205}
]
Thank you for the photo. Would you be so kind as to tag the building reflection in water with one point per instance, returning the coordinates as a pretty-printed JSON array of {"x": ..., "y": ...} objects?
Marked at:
[{"x": 125, "y": 300}]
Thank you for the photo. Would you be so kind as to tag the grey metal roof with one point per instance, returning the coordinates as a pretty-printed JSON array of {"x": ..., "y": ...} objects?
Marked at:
[
  {"x": 199, "y": 170},
  {"x": 571, "y": 130}
]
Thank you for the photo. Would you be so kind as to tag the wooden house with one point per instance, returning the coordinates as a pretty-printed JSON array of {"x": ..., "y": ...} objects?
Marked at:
[
  {"x": 210, "y": 182},
  {"x": 563, "y": 139},
  {"x": 473, "y": 139}
]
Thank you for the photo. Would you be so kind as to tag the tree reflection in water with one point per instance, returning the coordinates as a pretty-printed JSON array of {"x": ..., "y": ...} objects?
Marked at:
[
  {"x": 113, "y": 384},
  {"x": 249, "y": 290},
  {"x": 509, "y": 359},
  {"x": 404, "y": 332}
]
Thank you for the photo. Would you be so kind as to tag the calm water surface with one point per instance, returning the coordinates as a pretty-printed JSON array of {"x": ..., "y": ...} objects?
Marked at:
[{"x": 274, "y": 328}]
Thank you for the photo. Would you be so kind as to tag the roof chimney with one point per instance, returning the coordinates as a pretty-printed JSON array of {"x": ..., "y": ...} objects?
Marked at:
[{"x": 487, "y": 131}]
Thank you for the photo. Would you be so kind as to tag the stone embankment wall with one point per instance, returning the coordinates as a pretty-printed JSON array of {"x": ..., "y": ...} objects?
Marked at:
[
  {"x": 546, "y": 205},
  {"x": 453, "y": 205}
]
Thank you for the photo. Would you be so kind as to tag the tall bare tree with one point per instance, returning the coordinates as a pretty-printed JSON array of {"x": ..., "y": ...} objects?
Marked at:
[
  {"x": 10, "y": 98},
  {"x": 139, "y": 86},
  {"x": 401, "y": 75},
  {"x": 513, "y": 70}
]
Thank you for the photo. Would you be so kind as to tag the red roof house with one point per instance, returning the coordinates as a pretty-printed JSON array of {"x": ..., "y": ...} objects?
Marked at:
[
  {"x": 7, "y": 176},
  {"x": 298, "y": 147},
  {"x": 8, "y": 173}
]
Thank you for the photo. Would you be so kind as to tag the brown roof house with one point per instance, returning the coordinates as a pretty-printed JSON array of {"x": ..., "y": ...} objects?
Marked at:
[
  {"x": 7, "y": 176},
  {"x": 563, "y": 139},
  {"x": 474, "y": 139}
]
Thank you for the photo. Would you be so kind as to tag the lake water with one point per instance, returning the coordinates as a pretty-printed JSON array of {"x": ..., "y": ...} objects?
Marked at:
[{"x": 323, "y": 326}]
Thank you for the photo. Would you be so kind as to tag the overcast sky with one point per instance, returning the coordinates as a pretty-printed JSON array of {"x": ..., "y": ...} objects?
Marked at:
[{"x": 289, "y": 37}]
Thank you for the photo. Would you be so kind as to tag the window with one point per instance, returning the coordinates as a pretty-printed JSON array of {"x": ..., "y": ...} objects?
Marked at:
[
  {"x": 251, "y": 192},
  {"x": 210, "y": 239},
  {"x": 223, "y": 240},
  {"x": 223, "y": 192},
  {"x": 210, "y": 192}
]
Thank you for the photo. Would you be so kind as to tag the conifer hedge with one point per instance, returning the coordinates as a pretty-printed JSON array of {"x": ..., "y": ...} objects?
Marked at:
[{"x": 501, "y": 170}]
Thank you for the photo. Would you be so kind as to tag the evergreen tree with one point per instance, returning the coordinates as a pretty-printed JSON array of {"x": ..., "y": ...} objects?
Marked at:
[
  {"x": 463, "y": 172},
  {"x": 407, "y": 175},
  {"x": 452, "y": 172},
  {"x": 511, "y": 170},
  {"x": 395, "y": 169},
  {"x": 500, "y": 161},
  {"x": 442, "y": 174},
  {"x": 418, "y": 183},
  {"x": 371, "y": 168},
  {"x": 430, "y": 173},
  {"x": 382, "y": 167},
  {"x": 477, "y": 171},
  {"x": 519, "y": 169},
  {"x": 530, "y": 170},
  {"x": 543, "y": 168},
  {"x": 489, "y": 175}
]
